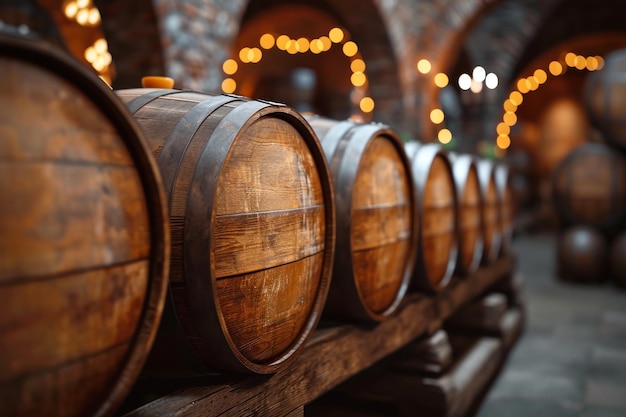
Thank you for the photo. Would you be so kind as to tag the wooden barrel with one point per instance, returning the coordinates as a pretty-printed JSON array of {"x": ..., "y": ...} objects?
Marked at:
[
  {"x": 604, "y": 97},
  {"x": 589, "y": 187},
  {"x": 84, "y": 243},
  {"x": 436, "y": 204},
  {"x": 252, "y": 223},
  {"x": 490, "y": 210},
  {"x": 377, "y": 223},
  {"x": 469, "y": 216},
  {"x": 506, "y": 198},
  {"x": 617, "y": 260},
  {"x": 581, "y": 255}
]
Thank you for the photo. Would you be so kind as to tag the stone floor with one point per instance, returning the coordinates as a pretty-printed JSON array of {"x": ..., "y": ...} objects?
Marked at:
[{"x": 571, "y": 360}]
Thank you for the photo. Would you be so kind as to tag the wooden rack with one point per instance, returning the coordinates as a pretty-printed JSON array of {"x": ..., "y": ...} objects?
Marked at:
[{"x": 335, "y": 353}]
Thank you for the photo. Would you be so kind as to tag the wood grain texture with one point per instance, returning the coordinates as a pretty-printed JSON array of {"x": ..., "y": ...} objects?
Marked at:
[
  {"x": 331, "y": 356},
  {"x": 507, "y": 205},
  {"x": 83, "y": 244},
  {"x": 437, "y": 206},
  {"x": 252, "y": 224},
  {"x": 377, "y": 226}
]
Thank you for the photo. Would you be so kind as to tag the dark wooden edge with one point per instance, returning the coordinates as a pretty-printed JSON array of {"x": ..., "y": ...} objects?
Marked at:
[
  {"x": 330, "y": 357},
  {"x": 487, "y": 176},
  {"x": 58, "y": 62}
]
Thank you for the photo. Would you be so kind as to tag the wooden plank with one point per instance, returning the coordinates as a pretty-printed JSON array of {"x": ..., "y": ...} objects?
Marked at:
[{"x": 332, "y": 355}]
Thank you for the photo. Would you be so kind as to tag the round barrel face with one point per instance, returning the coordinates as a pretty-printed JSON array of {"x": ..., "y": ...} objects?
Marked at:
[
  {"x": 590, "y": 187},
  {"x": 491, "y": 222},
  {"x": 470, "y": 219},
  {"x": 74, "y": 247},
  {"x": 381, "y": 227},
  {"x": 438, "y": 212},
  {"x": 269, "y": 237}
]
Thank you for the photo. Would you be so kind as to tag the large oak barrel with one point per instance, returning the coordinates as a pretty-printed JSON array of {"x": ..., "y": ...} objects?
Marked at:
[
  {"x": 581, "y": 255},
  {"x": 376, "y": 218},
  {"x": 604, "y": 97},
  {"x": 490, "y": 210},
  {"x": 469, "y": 216},
  {"x": 506, "y": 198},
  {"x": 84, "y": 243},
  {"x": 436, "y": 205},
  {"x": 589, "y": 187},
  {"x": 617, "y": 260},
  {"x": 252, "y": 222}
]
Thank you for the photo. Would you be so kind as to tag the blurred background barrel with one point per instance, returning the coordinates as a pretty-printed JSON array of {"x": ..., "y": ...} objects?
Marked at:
[
  {"x": 376, "y": 218},
  {"x": 506, "y": 198},
  {"x": 604, "y": 98},
  {"x": 490, "y": 210},
  {"x": 252, "y": 222},
  {"x": 617, "y": 260},
  {"x": 84, "y": 246},
  {"x": 469, "y": 203},
  {"x": 581, "y": 255},
  {"x": 589, "y": 187},
  {"x": 436, "y": 205}
]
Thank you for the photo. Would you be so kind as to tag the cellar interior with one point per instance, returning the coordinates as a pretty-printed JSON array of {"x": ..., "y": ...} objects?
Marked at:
[{"x": 312, "y": 208}]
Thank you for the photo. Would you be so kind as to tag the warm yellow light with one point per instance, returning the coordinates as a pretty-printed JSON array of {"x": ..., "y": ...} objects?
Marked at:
[
  {"x": 555, "y": 68},
  {"x": 436, "y": 116},
  {"x": 101, "y": 45},
  {"x": 366, "y": 104},
  {"x": 509, "y": 106},
  {"x": 94, "y": 16},
  {"x": 229, "y": 85},
  {"x": 503, "y": 141},
  {"x": 509, "y": 118},
  {"x": 424, "y": 66},
  {"x": 316, "y": 46},
  {"x": 516, "y": 98},
  {"x": 326, "y": 43},
  {"x": 580, "y": 62},
  {"x": 357, "y": 65},
  {"x": 71, "y": 9},
  {"x": 350, "y": 49},
  {"x": 600, "y": 62},
  {"x": 591, "y": 63},
  {"x": 91, "y": 55},
  {"x": 230, "y": 66},
  {"x": 255, "y": 55},
  {"x": 358, "y": 79},
  {"x": 441, "y": 80},
  {"x": 243, "y": 55},
  {"x": 303, "y": 44},
  {"x": 267, "y": 41},
  {"x": 107, "y": 58},
  {"x": 281, "y": 42},
  {"x": 336, "y": 35},
  {"x": 292, "y": 46},
  {"x": 532, "y": 83},
  {"x": 82, "y": 3},
  {"x": 522, "y": 85},
  {"x": 503, "y": 129},
  {"x": 570, "y": 59},
  {"x": 444, "y": 136},
  {"x": 82, "y": 16},
  {"x": 541, "y": 76}
]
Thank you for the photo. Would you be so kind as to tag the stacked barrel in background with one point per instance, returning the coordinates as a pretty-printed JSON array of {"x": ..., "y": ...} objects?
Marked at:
[
  {"x": 273, "y": 218},
  {"x": 590, "y": 186}
]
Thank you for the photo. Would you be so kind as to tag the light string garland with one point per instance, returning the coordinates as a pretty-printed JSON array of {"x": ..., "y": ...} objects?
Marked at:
[{"x": 335, "y": 36}]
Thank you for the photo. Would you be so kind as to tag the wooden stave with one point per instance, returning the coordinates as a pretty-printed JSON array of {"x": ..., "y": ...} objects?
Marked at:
[
  {"x": 215, "y": 350},
  {"x": 345, "y": 298},
  {"x": 504, "y": 187},
  {"x": 462, "y": 164},
  {"x": 493, "y": 241},
  {"x": 617, "y": 218},
  {"x": 422, "y": 157},
  {"x": 59, "y": 64}
]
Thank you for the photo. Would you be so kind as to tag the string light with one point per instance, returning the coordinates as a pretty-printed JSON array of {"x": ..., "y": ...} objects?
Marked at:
[{"x": 82, "y": 12}]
